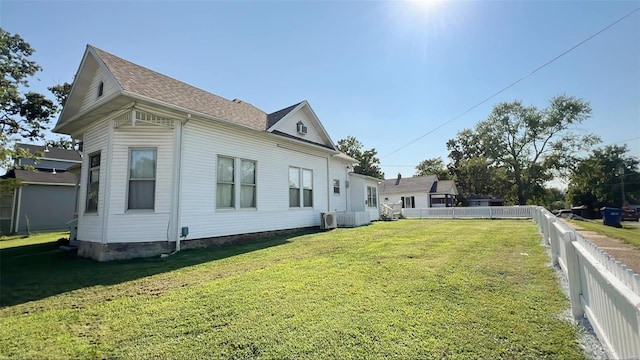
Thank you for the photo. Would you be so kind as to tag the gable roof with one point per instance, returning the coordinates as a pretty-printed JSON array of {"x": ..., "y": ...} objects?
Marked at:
[
  {"x": 52, "y": 153},
  {"x": 136, "y": 81},
  {"x": 139, "y": 80},
  {"x": 421, "y": 184},
  {"x": 42, "y": 177}
]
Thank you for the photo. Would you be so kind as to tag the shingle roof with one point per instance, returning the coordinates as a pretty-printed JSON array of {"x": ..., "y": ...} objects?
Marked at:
[
  {"x": 446, "y": 187},
  {"x": 52, "y": 153},
  {"x": 139, "y": 80},
  {"x": 62, "y": 177},
  {"x": 408, "y": 185}
]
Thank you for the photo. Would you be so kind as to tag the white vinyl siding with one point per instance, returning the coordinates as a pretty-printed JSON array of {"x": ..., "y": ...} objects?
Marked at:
[
  {"x": 91, "y": 96},
  {"x": 289, "y": 125},
  {"x": 139, "y": 226},
  {"x": 95, "y": 140},
  {"x": 338, "y": 171},
  {"x": 272, "y": 156}
]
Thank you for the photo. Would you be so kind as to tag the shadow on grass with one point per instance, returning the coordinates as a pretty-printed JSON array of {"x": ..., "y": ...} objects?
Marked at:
[{"x": 34, "y": 272}]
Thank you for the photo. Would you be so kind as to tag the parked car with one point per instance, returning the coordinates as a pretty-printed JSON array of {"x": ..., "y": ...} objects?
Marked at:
[{"x": 629, "y": 215}]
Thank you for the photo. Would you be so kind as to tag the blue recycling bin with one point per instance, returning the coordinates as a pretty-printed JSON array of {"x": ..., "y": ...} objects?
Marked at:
[{"x": 611, "y": 216}]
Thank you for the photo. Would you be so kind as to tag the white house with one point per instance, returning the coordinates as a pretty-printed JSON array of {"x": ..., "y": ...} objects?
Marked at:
[
  {"x": 419, "y": 192},
  {"x": 169, "y": 166}
]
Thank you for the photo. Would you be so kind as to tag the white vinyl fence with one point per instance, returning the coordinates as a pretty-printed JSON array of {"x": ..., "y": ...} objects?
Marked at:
[
  {"x": 352, "y": 218},
  {"x": 481, "y": 212},
  {"x": 600, "y": 288}
]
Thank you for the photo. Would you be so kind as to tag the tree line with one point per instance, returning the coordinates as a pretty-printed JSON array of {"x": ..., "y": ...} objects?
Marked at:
[{"x": 518, "y": 149}]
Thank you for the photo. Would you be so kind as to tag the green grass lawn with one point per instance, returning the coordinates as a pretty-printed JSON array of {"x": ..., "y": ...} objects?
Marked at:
[
  {"x": 627, "y": 233},
  {"x": 410, "y": 289}
]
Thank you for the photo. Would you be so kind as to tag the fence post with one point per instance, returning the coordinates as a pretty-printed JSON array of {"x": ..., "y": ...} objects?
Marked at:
[
  {"x": 554, "y": 241},
  {"x": 453, "y": 212},
  {"x": 573, "y": 274}
]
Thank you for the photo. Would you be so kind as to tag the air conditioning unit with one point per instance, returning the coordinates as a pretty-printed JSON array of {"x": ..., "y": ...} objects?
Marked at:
[
  {"x": 301, "y": 128},
  {"x": 328, "y": 220}
]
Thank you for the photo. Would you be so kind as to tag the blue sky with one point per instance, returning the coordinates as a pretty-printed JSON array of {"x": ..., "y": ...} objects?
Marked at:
[{"x": 385, "y": 72}]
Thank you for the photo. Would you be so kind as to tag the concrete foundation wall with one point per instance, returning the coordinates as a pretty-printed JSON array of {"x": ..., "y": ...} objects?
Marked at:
[{"x": 120, "y": 251}]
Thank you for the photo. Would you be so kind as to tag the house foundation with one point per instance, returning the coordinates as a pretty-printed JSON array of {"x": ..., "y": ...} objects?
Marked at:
[{"x": 131, "y": 250}]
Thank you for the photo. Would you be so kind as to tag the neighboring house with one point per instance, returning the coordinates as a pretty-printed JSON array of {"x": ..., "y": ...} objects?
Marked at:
[
  {"x": 485, "y": 200},
  {"x": 419, "y": 192},
  {"x": 46, "y": 197},
  {"x": 169, "y": 166}
]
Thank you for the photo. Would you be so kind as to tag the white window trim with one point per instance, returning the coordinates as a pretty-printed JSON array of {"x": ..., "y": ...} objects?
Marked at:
[
  {"x": 155, "y": 179},
  {"x": 301, "y": 188},
  {"x": 86, "y": 195},
  {"x": 333, "y": 188},
  {"x": 237, "y": 184}
]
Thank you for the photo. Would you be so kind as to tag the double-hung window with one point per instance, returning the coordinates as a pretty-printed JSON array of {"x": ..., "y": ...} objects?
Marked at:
[
  {"x": 93, "y": 183},
  {"x": 225, "y": 193},
  {"x": 300, "y": 179},
  {"x": 372, "y": 196},
  {"x": 142, "y": 179},
  {"x": 235, "y": 175},
  {"x": 248, "y": 184}
]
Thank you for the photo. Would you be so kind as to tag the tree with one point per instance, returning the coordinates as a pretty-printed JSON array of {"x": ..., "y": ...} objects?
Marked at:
[
  {"x": 596, "y": 181},
  {"x": 368, "y": 162},
  {"x": 433, "y": 166},
  {"x": 22, "y": 115},
  {"x": 530, "y": 145}
]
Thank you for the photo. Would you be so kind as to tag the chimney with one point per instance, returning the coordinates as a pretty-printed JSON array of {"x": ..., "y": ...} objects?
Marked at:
[{"x": 398, "y": 179}]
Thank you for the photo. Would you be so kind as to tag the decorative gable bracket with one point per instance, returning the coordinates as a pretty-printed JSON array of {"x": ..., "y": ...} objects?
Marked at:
[{"x": 136, "y": 116}]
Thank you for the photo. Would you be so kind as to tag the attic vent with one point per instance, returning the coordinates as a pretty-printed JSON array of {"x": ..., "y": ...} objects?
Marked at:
[
  {"x": 301, "y": 128},
  {"x": 100, "y": 88}
]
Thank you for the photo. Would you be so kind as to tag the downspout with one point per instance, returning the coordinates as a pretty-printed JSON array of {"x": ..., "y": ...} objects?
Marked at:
[
  {"x": 328, "y": 186},
  {"x": 346, "y": 189},
  {"x": 178, "y": 193},
  {"x": 18, "y": 208},
  {"x": 13, "y": 209},
  {"x": 107, "y": 182}
]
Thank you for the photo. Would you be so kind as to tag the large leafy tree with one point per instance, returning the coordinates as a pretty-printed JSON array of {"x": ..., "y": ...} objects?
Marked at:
[
  {"x": 433, "y": 166},
  {"x": 599, "y": 179},
  {"x": 368, "y": 163},
  {"x": 23, "y": 114},
  {"x": 528, "y": 145}
]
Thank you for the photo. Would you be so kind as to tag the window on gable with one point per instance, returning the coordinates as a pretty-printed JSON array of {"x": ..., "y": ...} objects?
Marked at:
[
  {"x": 336, "y": 186},
  {"x": 100, "y": 88},
  {"x": 142, "y": 179},
  {"x": 372, "y": 196},
  {"x": 93, "y": 183}
]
